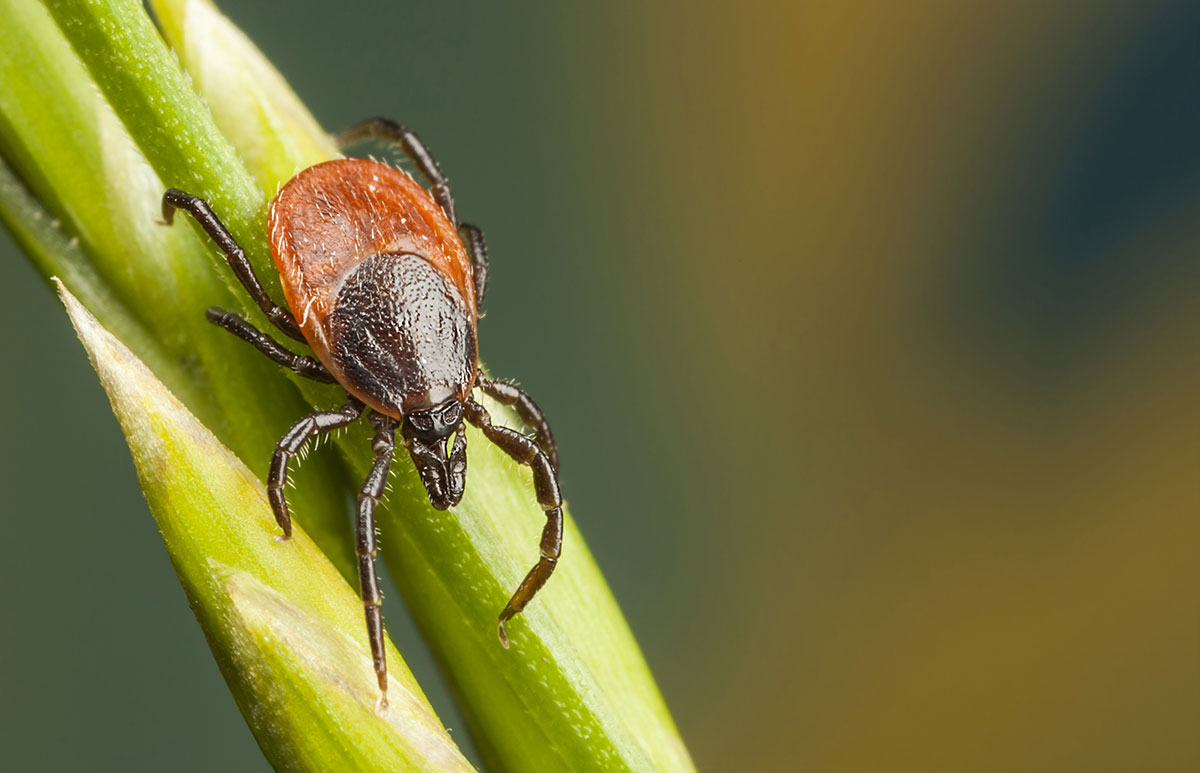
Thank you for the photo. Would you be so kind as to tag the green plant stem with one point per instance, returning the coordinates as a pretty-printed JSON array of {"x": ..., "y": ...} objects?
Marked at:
[
  {"x": 55, "y": 253},
  {"x": 573, "y": 693},
  {"x": 65, "y": 144}
]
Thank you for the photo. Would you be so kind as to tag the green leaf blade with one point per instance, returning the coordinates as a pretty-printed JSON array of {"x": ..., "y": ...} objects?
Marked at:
[{"x": 284, "y": 626}]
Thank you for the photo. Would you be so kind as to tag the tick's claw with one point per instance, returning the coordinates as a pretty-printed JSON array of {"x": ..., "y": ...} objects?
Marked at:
[{"x": 503, "y": 635}]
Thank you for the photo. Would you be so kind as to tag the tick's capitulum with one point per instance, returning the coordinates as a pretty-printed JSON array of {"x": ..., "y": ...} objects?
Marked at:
[{"x": 380, "y": 285}]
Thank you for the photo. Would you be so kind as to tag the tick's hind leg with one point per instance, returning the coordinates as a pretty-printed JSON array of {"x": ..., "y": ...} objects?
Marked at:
[
  {"x": 198, "y": 208},
  {"x": 368, "y": 497},
  {"x": 389, "y": 131},
  {"x": 545, "y": 483},
  {"x": 305, "y": 366},
  {"x": 510, "y": 394},
  {"x": 477, "y": 249},
  {"x": 290, "y": 444}
]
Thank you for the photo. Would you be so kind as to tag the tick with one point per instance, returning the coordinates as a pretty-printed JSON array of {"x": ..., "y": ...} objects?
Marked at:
[{"x": 384, "y": 284}]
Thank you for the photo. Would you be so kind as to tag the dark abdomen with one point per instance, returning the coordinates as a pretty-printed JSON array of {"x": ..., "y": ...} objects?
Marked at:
[{"x": 401, "y": 334}]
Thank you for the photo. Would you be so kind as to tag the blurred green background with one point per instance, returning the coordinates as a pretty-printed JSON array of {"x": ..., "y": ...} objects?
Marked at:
[{"x": 871, "y": 337}]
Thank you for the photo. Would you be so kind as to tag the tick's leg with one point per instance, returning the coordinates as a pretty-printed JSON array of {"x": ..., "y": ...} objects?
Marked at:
[
  {"x": 305, "y": 366},
  {"x": 507, "y": 393},
  {"x": 368, "y": 497},
  {"x": 545, "y": 483},
  {"x": 290, "y": 444},
  {"x": 477, "y": 249},
  {"x": 198, "y": 208},
  {"x": 389, "y": 131}
]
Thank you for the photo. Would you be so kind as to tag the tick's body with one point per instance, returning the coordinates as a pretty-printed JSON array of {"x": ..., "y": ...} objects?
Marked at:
[
  {"x": 383, "y": 289},
  {"x": 386, "y": 302}
]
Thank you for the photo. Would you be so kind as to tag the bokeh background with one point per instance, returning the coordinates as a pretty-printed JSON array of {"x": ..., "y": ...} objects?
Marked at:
[{"x": 871, "y": 335}]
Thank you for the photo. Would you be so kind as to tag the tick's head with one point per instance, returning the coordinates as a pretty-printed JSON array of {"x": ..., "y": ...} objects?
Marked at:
[{"x": 443, "y": 470}]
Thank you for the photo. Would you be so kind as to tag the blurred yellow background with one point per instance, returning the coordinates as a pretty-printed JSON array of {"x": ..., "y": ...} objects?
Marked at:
[
  {"x": 871, "y": 334},
  {"x": 943, "y": 259}
]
